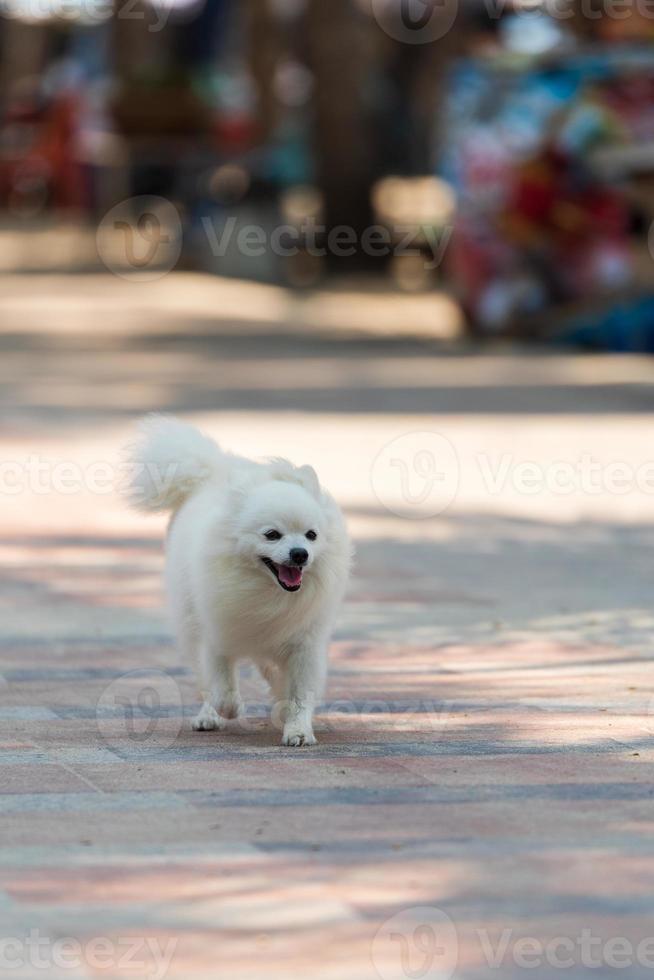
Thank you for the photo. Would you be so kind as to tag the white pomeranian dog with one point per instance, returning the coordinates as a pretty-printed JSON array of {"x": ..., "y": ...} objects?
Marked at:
[{"x": 257, "y": 562}]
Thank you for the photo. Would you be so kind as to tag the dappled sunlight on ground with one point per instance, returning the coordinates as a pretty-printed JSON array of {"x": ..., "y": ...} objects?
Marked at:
[{"x": 485, "y": 741}]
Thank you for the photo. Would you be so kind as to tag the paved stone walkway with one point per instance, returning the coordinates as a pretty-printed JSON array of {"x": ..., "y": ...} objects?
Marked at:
[{"x": 481, "y": 801}]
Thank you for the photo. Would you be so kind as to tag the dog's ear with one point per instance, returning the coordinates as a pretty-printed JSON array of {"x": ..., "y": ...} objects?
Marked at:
[
  {"x": 306, "y": 476},
  {"x": 309, "y": 480}
]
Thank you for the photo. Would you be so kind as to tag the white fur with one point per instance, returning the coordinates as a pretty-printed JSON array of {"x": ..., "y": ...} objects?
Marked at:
[{"x": 226, "y": 605}]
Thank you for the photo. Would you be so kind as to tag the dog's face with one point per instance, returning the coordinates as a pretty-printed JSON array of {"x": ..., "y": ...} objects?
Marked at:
[{"x": 281, "y": 530}]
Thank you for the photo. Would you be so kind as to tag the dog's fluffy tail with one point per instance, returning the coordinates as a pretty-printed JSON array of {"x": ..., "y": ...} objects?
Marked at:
[{"x": 168, "y": 462}]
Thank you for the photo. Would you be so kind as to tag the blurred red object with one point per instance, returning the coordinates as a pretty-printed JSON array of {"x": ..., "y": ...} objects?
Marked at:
[{"x": 38, "y": 163}]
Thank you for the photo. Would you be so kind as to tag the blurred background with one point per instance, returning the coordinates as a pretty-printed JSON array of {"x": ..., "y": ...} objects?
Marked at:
[{"x": 493, "y": 157}]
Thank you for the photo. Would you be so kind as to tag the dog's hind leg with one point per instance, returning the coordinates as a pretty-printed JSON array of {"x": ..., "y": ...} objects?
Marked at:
[
  {"x": 222, "y": 698},
  {"x": 225, "y": 695},
  {"x": 305, "y": 677},
  {"x": 193, "y": 652},
  {"x": 207, "y": 719},
  {"x": 275, "y": 677},
  {"x": 276, "y": 680}
]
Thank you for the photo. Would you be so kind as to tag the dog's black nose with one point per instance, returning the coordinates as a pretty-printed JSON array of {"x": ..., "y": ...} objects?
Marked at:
[{"x": 299, "y": 556}]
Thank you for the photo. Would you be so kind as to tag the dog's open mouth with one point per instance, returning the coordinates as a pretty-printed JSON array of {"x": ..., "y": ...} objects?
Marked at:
[{"x": 288, "y": 576}]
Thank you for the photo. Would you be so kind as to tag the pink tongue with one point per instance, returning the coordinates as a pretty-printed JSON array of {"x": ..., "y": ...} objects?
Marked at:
[{"x": 289, "y": 576}]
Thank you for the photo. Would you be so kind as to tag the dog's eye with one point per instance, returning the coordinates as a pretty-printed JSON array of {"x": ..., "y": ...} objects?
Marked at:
[
  {"x": 272, "y": 535},
  {"x": 311, "y": 535}
]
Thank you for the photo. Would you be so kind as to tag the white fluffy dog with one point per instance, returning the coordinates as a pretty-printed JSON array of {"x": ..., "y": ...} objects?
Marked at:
[{"x": 257, "y": 562}]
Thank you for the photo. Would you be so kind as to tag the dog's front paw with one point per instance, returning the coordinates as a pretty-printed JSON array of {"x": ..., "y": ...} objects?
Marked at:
[
  {"x": 207, "y": 720},
  {"x": 294, "y": 738},
  {"x": 230, "y": 708}
]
